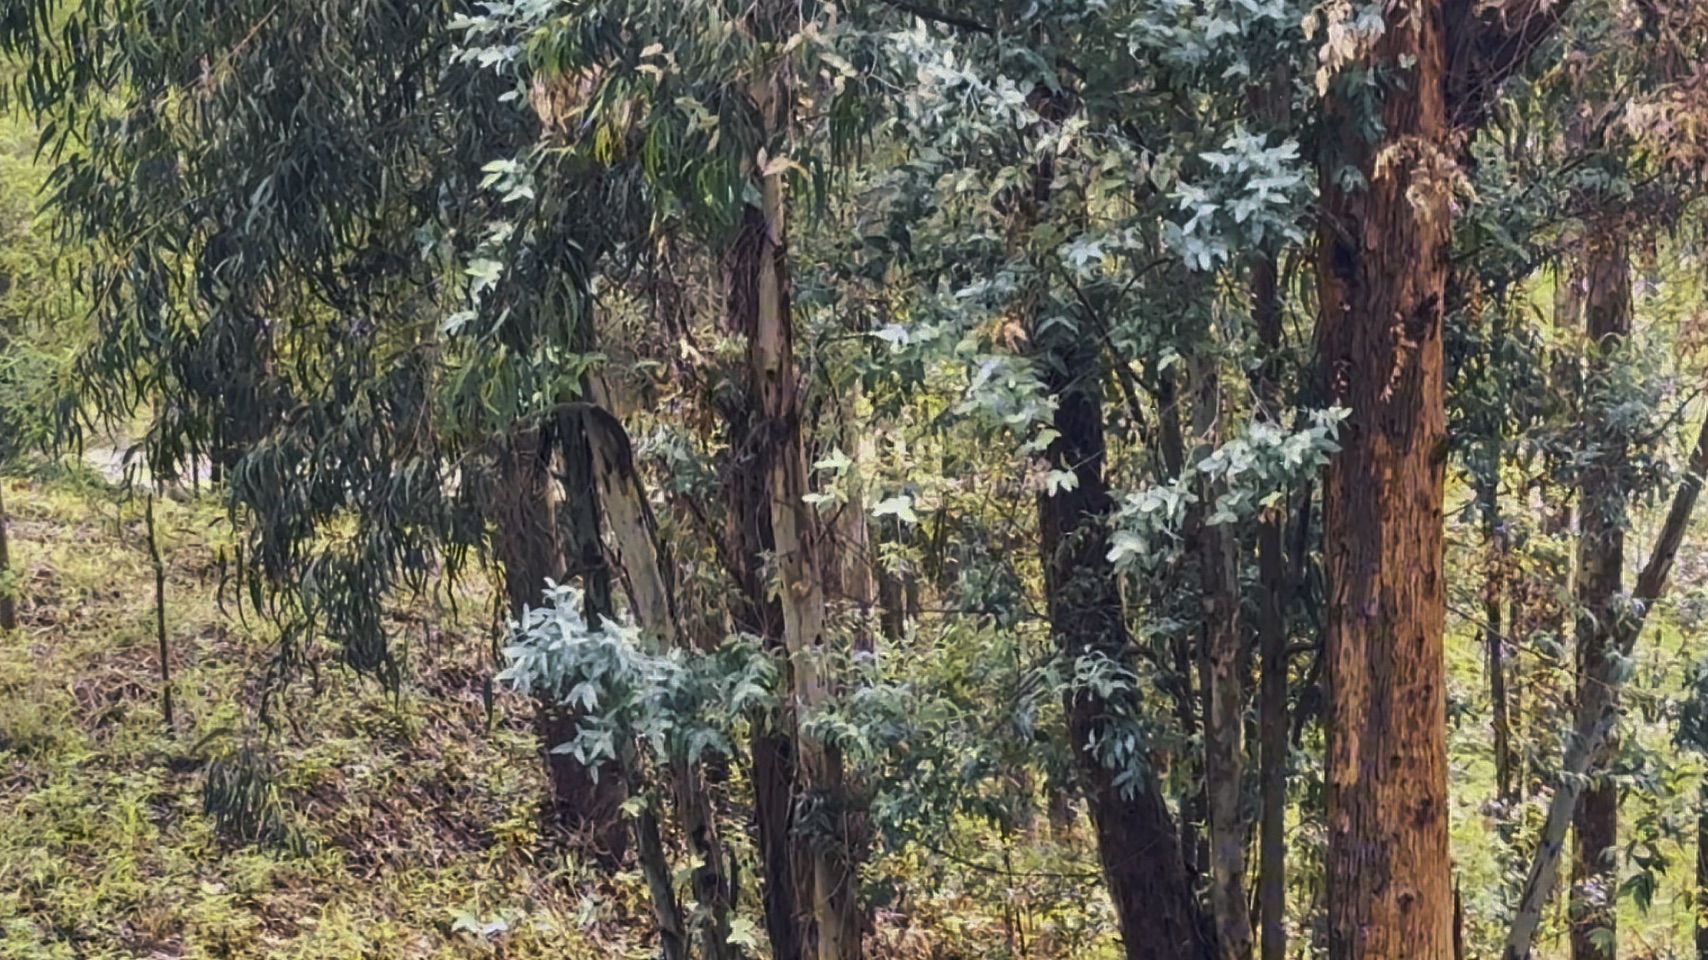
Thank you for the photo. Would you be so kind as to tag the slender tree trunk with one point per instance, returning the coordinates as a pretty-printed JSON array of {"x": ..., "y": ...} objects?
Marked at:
[
  {"x": 159, "y": 565},
  {"x": 644, "y": 567},
  {"x": 1225, "y": 669},
  {"x": 8, "y": 591},
  {"x": 1494, "y": 636},
  {"x": 1600, "y": 580},
  {"x": 1273, "y": 720},
  {"x": 655, "y": 866},
  {"x": 1382, "y": 270},
  {"x": 1165, "y": 591},
  {"x": 755, "y": 612},
  {"x": 759, "y": 309},
  {"x": 1596, "y": 709},
  {"x": 1702, "y": 873},
  {"x": 797, "y": 536}
]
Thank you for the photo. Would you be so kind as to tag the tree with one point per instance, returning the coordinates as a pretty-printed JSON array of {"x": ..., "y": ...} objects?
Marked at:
[{"x": 1388, "y": 174}]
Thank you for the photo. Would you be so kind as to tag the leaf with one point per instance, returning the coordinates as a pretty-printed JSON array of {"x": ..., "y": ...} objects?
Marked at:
[
  {"x": 900, "y": 507},
  {"x": 744, "y": 933}
]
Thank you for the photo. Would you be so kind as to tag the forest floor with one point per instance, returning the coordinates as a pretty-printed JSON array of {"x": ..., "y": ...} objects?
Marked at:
[
  {"x": 392, "y": 825},
  {"x": 368, "y": 822},
  {"x": 365, "y": 822}
]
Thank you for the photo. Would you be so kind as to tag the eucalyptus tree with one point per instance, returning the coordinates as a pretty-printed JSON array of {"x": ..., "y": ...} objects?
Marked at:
[
  {"x": 285, "y": 206},
  {"x": 1399, "y": 92}
]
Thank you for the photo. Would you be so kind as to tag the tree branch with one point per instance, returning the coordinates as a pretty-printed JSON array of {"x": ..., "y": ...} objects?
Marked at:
[
  {"x": 1486, "y": 44},
  {"x": 939, "y": 16},
  {"x": 1598, "y": 711}
]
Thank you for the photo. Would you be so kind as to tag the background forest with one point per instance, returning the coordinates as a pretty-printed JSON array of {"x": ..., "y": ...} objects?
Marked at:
[{"x": 959, "y": 478}]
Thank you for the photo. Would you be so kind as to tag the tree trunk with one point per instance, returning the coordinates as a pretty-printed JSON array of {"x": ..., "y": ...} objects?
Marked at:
[
  {"x": 528, "y": 545},
  {"x": 1600, "y": 580},
  {"x": 1165, "y": 589},
  {"x": 1596, "y": 709},
  {"x": 759, "y": 309},
  {"x": 1225, "y": 670},
  {"x": 797, "y": 536},
  {"x": 1270, "y": 104},
  {"x": 655, "y": 866},
  {"x": 1136, "y": 839},
  {"x": 755, "y": 612},
  {"x": 1273, "y": 720},
  {"x": 8, "y": 588},
  {"x": 1494, "y": 636},
  {"x": 1702, "y": 873},
  {"x": 644, "y": 568},
  {"x": 1382, "y": 271}
]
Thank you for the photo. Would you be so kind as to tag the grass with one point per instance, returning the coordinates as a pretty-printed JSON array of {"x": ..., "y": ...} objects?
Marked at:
[
  {"x": 372, "y": 823},
  {"x": 409, "y": 823},
  {"x": 406, "y": 825}
]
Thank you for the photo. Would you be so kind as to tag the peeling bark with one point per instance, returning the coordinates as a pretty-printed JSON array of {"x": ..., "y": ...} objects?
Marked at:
[{"x": 1381, "y": 275}]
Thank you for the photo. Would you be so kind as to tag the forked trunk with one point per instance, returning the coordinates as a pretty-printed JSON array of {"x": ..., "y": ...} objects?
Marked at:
[{"x": 1381, "y": 274}]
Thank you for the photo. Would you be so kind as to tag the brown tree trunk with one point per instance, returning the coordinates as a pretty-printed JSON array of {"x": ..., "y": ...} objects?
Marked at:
[
  {"x": 1600, "y": 579},
  {"x": 755, "y": 612},
  {"x": 825, "y": 879},
  {"x": 1136, "y": 838},
  {"x": 1494, "y": 638},
  {"x": 798, "y": 538},
  {"x": 1180, "y": 686},
  {"x": 1382, "y": 269},
  {"x": 1702, "y": 873},
  {"x": 1273, "y": 720},
  {"x": 8, "y": 590},
  {"x": 1224, "y": 691},
  {"x": 528, "y": 545}
]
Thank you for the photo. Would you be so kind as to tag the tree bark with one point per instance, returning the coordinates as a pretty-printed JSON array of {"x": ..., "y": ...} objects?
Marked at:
[
  {"x": 798, "y": 537},
  {"x": 1225, "y": 669},
  {"x": 1596, "y": 709},
  {"x": 816, "y": 845},
  {"x": 1600, "y": 580},
  {"x": 1271, "y": 104},
  {"x": 1702, "y": 873},
  {"x": 1382, "y": 269},
  {"x": 755, "y": 612},
  {"x": 644, "y": 568},
  {"x": 1172, "y": 444},
  {"x": 1136, "y": 838},
  {"x": 1494, "y": 637},
  {"x": 529, "y": 547}
]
